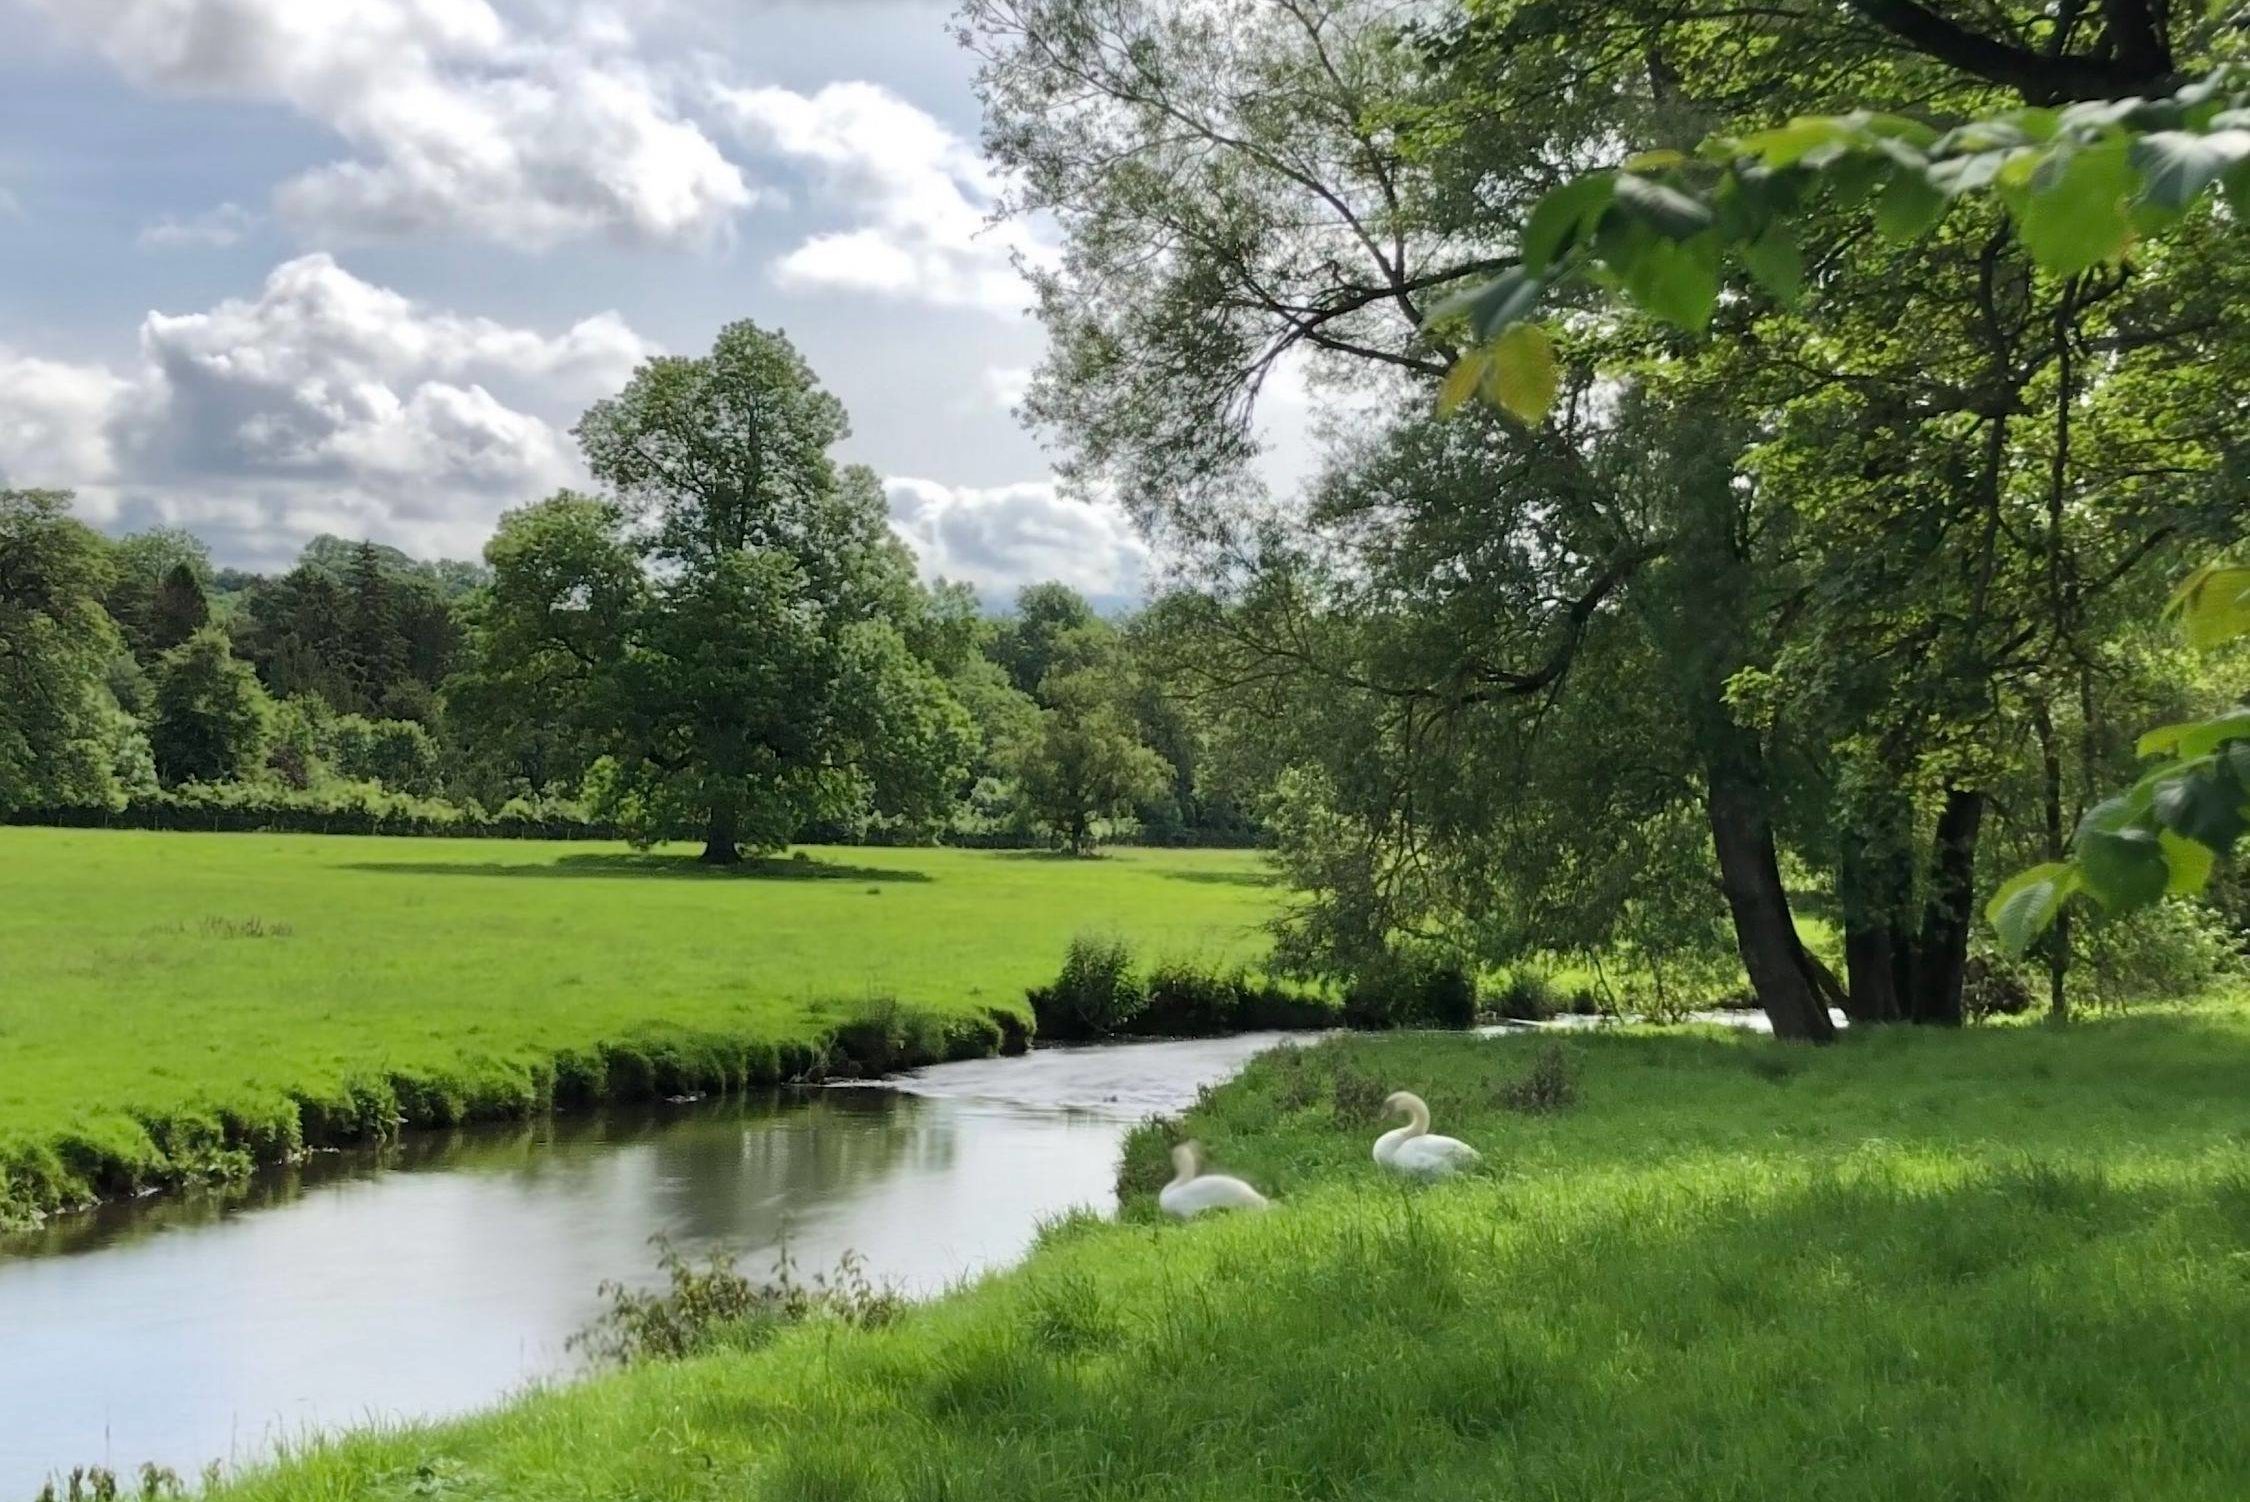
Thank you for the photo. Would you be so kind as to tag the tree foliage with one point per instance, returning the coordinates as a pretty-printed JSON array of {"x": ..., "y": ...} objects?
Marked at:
[
  {"x": 61, "y": 731},
  {"x": 211, "y": 715}
]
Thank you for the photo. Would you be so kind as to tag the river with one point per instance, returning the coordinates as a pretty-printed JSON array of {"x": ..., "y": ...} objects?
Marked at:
[{"x": 448, "y": 1270}]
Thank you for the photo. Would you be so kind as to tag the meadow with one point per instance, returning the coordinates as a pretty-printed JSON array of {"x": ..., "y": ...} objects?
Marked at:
[
  {"x": 2005, "y": 1263},
  {"x": 173, "y": 1005}
]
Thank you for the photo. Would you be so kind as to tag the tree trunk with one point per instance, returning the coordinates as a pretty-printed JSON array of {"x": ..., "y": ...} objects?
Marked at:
[
  {"x": 2058, "y": 938},
  {"x": 1943, "y": 955},
  {"x": 1873, "y": 885},
  {"x": 1781, "y": 974},
  {"x": 720, "y": 843}
]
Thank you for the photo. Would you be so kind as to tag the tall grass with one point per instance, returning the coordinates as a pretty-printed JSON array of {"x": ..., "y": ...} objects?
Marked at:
[{"x": 2001, "y": 1264}]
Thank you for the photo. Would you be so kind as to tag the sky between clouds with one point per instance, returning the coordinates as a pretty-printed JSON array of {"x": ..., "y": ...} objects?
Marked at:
[{"x": 272, "y": 268}]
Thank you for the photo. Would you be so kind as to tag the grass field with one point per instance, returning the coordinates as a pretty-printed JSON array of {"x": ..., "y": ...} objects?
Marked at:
[
  {"x": 2002, "y": 1264},
  {"x": 177, "y": 1003}
]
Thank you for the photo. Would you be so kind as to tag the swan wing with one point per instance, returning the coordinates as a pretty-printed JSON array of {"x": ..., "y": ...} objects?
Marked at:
[
  {"x": 1211, "y": 1191},
  {"x": 1436, "y": 1155}
]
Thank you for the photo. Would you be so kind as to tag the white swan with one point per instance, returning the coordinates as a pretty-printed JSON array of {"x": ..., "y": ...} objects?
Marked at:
[
  {"x": 1192, "y": 1191},
  {"x": 1411, "y": 1149}
]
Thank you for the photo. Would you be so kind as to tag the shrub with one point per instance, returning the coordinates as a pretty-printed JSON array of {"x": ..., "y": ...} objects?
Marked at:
[
  {"x": 710, "y": 1306},
  {"x": 1411, "y": 988},
  {"x": 1097, "y": 993},
  {"x": 1356, "y": 1096},
  {"x": 1528, "y": 997},
  {"x": 1186, "y": 1002},
  {"x": 1993, "y": 988},
  {"x": 2162, "y": 953},
  {"x": 1546, "y": 1086}
]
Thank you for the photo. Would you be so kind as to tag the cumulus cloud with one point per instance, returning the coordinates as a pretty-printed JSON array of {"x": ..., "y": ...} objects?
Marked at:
[
  {"x": 322, "y": 403},
  {"x": 216, "y": 228},
  {"x": 1001, "y": 537},
  {"x": 55, "y": 421},
  {"x": 459, "y": 120},
  {"x": 925, "y": 197}
]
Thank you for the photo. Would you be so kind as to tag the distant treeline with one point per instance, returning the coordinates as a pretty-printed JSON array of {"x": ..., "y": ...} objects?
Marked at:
[{"x": 362, "y": 691}]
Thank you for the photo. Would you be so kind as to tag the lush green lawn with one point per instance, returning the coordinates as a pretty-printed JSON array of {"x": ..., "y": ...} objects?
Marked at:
[
  {"x": 2013, "y": 1264},
  {"x": 196, "y": 984}
]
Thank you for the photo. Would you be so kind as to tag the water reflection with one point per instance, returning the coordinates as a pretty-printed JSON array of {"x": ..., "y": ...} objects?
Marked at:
[{"x": 445, "y": 1270}]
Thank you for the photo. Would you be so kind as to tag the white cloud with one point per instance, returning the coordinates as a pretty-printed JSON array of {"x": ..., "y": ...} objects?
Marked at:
[
  {"x": 216, "y": 228},
  {"x": 323, "y": 403},
  {"x": 55, "y": 421},
  {"x": 459, "y": 120},
  {"x": 925, "y": 197},
  {"x": 1000, "y": 538}
]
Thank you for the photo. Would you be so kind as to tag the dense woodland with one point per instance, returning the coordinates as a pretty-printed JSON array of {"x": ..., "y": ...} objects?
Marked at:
[{"x": 1829, "y": 591}]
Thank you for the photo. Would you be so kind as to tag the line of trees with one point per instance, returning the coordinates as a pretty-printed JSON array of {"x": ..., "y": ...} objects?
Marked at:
[{"x": 727, "y": 642}]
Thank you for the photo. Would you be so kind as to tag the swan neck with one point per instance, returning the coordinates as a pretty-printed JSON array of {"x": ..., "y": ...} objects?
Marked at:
[{"x": 1417, "y": 1118}]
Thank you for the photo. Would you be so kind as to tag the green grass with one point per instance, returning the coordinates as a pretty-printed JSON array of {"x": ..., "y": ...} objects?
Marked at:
[
  {"x": 2009, "y": 1263},
  {"x": 176, "y": 1004}
]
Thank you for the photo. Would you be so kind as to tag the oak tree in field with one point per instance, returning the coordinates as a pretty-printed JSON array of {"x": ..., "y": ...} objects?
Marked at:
[{"x": 735, "y": 627}]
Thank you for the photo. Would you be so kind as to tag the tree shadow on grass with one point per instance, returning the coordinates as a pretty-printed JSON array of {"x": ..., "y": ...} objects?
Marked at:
[
  {"x": 1222, "y": 878},
  {"x": 651, "y": 865}
]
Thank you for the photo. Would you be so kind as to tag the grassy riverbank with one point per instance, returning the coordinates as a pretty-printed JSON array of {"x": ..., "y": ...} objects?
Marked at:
[
  {"x": 2006, "y": 1263},
  {"x": 180, "y": 1004}
]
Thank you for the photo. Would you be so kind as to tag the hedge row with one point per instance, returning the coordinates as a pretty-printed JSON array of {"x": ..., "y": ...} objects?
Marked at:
[{"x": 423, "y": 817}]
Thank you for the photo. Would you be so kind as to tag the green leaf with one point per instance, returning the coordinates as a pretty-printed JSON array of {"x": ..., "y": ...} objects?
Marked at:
[
  {"x": 1662, "y": 159},
  {"x": 1661, "y": 207},
  {"x": 2212, "y": 604},
  {"x": 1461, "y": 381},
  {"x": 1493, "y": 306},
  {"x": 2122, "y": 864},
  {"x": 1853, "y": 176},
  {"x": 1563, "y": 217},
  {"x": 1788, "y": 144},
  {"x": 2026, "y": 904},
  {"x": 2193, "y": 738},
  {"x": 1903, "y": 129},
  {"x": 2074, "y": 215},
  {"x": 1909, "y": 205},
  {"x": 1521, "y": 377},
  {"x": 2176, "y": 166},
  {"x": 1678, "y": 281},
  {"x": 1956, "y": 175},
  {"x": 2189, "y": 861},
  {"x": 1773, "y": 258},
  {"x": 2202, "y": 804}
]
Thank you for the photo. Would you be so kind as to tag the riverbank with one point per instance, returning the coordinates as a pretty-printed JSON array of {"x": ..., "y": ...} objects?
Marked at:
[
  {"x": 2005, "y": 1263},
  {"x": 176, "y": 1007}
]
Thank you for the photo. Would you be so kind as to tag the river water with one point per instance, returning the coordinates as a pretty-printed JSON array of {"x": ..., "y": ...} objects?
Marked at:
[{"x": 442, "y": 1273}]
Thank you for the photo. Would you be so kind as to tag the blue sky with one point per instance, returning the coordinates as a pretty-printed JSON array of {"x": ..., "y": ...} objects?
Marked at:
[{"x": 270, "y": 268}]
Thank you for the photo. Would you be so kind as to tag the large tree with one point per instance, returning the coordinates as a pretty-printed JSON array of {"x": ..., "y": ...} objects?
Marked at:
[
  {"x": 59, "y": 726},
  {"x": 212, "y": 721},
  {"x": 738, "y": 629},
  {"x": 1303, "y": 179}
]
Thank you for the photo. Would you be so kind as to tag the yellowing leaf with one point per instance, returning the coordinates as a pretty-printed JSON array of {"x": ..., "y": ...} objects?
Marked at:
[
  {"x": 1521, "y": 377},
  {"x": 2213, "y": 604},
  {"x": 2190, "y": 862},
  {"x": 1461, "y": 382}
]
